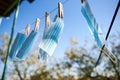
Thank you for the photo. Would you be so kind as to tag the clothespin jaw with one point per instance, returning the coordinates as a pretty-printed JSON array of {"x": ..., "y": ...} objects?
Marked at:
[
  {"x": 47, "y": 19},
  {"x": 60, "y": 10},
  {"x": 27, "y": 30},
  {"x": 37, "y": 24},
  {"x": 82, "y": 1}
]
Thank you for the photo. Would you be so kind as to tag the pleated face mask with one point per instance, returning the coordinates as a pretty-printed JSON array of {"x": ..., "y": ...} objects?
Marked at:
[
  {"x": 96, "y": 30},
  {"x": 51, "y": 38},
  {"x": 27, "y": 45},
  {"x": 19, "y": 40},
  {"x": 24, "y": 50},
  {"x": 93, "y": 26}
]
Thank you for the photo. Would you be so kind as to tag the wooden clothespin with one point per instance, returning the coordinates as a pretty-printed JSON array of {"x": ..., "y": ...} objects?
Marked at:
[
  {"x": 47, "y": 19},
  {"x": 37, "y": 24},
  {"x": 82, "y": 1},
  {"x": 60, "y": 10},
  {"x": 27, "y": 30}
]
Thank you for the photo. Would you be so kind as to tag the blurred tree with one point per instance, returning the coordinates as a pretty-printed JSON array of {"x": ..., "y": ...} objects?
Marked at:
[
  {"x": 78, "y": 64},
  {"x": 84, "y": 59},
  {"x": 18, "y": 70},
  {"x": 80, "y": 59}
]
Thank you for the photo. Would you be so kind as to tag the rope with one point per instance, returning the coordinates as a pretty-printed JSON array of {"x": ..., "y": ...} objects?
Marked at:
[
  {"x": 114, "y": 16},
  {"x": 52, "y": 11},
  {"x": 10, "y": 41}
]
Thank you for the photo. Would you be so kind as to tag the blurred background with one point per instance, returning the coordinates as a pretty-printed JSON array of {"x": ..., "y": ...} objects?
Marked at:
[{"x": 76, "y": 52}]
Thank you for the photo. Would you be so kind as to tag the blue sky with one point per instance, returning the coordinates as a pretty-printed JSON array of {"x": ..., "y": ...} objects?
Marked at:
[{"x": 75, "y": 24}]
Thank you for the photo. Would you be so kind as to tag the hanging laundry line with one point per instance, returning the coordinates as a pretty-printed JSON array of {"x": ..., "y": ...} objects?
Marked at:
[
  {"x": 26, "y": 42},
  {"x": 18, "y": 50},
  {"x": 51, "y": 11},
  {"x": 110, "y": 27},
  {"x": 23, "y": 42}
]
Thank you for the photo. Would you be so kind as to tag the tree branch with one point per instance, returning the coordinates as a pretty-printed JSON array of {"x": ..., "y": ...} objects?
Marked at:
[{"x": 16, "y": 68}]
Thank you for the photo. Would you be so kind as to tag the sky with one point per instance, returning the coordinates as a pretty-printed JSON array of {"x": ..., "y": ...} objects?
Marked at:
[{"x": 74, "y": 23}]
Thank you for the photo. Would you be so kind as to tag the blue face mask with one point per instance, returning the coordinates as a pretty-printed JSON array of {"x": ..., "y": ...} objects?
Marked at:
[
  {"x": 96, "y": 30},
  {"x": 93, "y": 26},
  {"x": 19, "y": 40},
  {"x": 24, "y": 50},
  {"x": 51, "y": 37}
]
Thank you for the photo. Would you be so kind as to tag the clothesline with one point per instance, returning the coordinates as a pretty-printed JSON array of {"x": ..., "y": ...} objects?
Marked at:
[
  {"x": 31, "y": 38},
  {"x": 50, "y": 11},
  {"x": 46, "y": 36}
]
